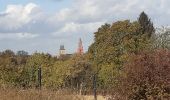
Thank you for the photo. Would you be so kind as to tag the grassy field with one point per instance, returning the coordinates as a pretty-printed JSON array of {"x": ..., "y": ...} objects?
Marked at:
[{"x": 32, "y": 94}]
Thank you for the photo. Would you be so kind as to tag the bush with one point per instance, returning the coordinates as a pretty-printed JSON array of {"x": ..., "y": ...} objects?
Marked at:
[{"x": 146, "y": 76}]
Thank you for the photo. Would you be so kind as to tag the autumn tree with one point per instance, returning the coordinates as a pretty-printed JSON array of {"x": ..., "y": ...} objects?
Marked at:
[{"x": 108, "y": 52}]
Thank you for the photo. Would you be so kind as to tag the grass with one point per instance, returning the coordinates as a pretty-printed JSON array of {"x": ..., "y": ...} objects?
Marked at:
[{"x": 34, "y": 94}]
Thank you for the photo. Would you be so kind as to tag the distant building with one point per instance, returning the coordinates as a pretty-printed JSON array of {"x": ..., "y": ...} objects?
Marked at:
[
  {"x": 62, "y": 51},
  {"x": 80, "y": 47}
]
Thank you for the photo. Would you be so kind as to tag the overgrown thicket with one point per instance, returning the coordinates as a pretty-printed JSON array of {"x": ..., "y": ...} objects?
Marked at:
[
  {"x": 130, "y": 59},
  {"x": 146, "y": 76},
  {"x": 22, "y": 70}
]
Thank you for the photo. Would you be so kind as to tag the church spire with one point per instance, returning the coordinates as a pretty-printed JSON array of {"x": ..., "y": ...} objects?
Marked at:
[{"x": 80, "y": 47}]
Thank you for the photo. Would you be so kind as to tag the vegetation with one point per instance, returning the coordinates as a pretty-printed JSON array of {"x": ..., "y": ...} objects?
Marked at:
[
  {"x": 32, "y": 94},
  {"x": 146, "y": 76},
  {"x": 130, "y": 59}
]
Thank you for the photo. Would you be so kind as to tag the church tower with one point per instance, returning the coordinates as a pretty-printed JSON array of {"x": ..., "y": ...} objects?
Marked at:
[
  {"x": 62, "y": 50},
  {"x": 80, "y": 47}
]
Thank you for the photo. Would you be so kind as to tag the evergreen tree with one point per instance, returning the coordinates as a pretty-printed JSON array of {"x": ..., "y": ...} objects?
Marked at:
[{"x": 146, "y": 25}]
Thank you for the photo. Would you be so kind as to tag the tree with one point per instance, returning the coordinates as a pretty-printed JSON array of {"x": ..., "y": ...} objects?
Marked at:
[
  {"x": 11, "y": 68},
  {"x": 146, "y": 25},
  {"x": 8, "y": 53},
  {"x": 8, "y": 70},
  {"x": 162, "y": 38},
  {"x": 80, "y": 70},
  {"x": 142, "y": 39},
  {"x": 22, "y": 53},
  {"x": 113, "y": 44},
  {"x": 73, "y": 73},
  {"x": 108, "y": 52},
  {"x": 35, "y": 61}
]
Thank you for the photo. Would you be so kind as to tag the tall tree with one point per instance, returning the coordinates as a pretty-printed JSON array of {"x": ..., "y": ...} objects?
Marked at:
[
  {"x": 143, "y": 37},
  {"x": 108, "y": 52},
  {"x": 146, "y": 25}
]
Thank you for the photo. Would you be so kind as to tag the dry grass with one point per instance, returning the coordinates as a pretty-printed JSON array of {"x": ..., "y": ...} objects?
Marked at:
[{"x": 32, "y": 94}]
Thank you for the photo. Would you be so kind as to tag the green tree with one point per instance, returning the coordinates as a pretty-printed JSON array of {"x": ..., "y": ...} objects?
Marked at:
[
  {"x": 80, "y": 70},
  {"x": 108, "y": 52},
  {"x": 35, "y": 61},
  {"x": 113, "y": 43},
  {"x": 146, "y": 26},
  {"x": 59, "y": 74},
  {"x": 11, "y": 68}
]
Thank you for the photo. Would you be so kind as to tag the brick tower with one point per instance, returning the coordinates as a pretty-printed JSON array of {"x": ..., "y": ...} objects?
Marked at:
[{"x": 80, "y": 47}]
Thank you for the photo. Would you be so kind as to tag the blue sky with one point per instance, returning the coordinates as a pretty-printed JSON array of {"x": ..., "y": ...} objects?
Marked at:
[{"x": 43, "y": 25}]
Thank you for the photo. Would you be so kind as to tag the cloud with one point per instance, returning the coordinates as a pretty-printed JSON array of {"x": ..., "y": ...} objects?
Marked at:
[
  {"x": 76, "y": 29},
  {"x": 15, "y": 16},
  {"x": 32, "y": 19},
  {"x": 17, "y": 36}
]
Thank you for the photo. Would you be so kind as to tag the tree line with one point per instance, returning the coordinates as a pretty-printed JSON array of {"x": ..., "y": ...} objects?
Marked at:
[{"x": 131, "y": 59}]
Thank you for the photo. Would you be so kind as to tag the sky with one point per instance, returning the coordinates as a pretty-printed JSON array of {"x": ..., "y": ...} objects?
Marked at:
[{"x": 44, "y": 25}]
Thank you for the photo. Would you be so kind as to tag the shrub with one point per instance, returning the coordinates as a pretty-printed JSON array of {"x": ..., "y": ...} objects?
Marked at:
[{"x": 146, "y": 76}]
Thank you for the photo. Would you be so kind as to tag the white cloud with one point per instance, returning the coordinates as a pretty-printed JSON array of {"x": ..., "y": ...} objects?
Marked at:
[
  {"x": 18, "y": 36},
  {"x": 15, "y": 16},
  {"x": 71, "y": 29},
  {"x": 31, "y": 19}
]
